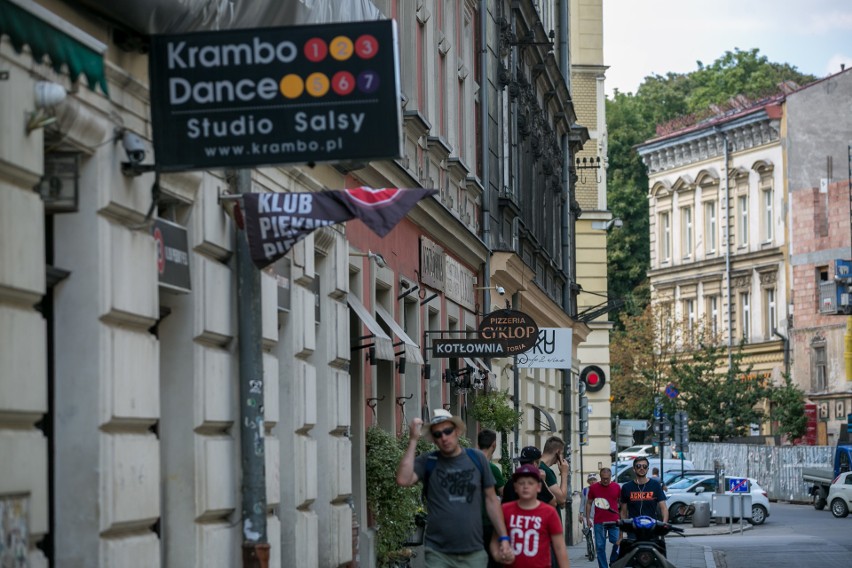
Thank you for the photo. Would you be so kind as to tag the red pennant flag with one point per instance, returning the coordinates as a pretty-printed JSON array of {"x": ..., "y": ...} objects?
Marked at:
[{"x": 274, "y": 222}]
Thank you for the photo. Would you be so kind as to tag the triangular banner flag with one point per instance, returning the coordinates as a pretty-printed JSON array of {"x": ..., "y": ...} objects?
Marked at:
[{"x": 274, "y": 222}]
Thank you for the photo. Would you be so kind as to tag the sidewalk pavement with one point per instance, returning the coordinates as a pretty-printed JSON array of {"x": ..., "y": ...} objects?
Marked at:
[{"x": 682, "y": 552}]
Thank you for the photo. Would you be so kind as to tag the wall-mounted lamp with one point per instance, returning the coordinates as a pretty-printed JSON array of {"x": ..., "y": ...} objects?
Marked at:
[
  {"x": 380, "y": 260},
  {"x": 46, "y": 96},
  {"x": 607, "y": 225}
]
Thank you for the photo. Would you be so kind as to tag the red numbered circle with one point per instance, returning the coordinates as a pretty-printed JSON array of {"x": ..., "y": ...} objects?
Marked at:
[
  {"x": 316, "y": 49},
  {"x": 343, "y": 82},
  {"x": 366, "y": 46}
]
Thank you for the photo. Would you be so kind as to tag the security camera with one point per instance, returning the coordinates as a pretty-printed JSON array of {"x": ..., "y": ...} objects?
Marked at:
[
  {"x": 134, "y": 146},
  {"x": 500, "y": 290}
]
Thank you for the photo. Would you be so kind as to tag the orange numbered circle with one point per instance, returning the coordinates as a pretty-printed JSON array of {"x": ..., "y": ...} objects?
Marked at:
[
  {"x": 343, "y": 82},
  {"x": 366, "y": 46},
  {"x": 317, "y": 84},
  {"x": 341, "y": 48},
  {"x": 291, "y": 86}
]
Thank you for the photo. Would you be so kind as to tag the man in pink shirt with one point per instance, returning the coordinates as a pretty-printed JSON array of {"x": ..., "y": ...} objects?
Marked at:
[{"x": 603, "y": 497}]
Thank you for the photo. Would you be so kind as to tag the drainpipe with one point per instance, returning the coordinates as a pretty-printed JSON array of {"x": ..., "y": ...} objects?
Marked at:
[
  {"x": 567, "y": 242},
  {"x": 786, "y": 350},
  {"x": 728, "y": 251},
  {"x": 486, "y": 168},
  {"x": 255, "y": 548}
]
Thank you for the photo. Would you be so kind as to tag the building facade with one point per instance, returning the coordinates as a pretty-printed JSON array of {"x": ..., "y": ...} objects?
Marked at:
[
  {"x": 588, "y": 74},
  {"x": 818, "y": 177},
  {"x": 119, "y": 387},
  {"x": 719, "y": 230}
]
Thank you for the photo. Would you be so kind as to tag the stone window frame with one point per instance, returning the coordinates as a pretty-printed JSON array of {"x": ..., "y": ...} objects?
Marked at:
[
  {"x": 766, "y": 191},
  {"x": 660, "y": 208},
  {"x": 819, "y": 364},
  {"x": 741, "y": 224}
]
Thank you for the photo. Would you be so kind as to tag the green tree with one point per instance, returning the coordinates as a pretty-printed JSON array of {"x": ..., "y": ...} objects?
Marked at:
[
  {"x": 788, "y": 409},
  {"x": 722, "y": 395},
  {"x": 633, "y": 119},
  {"x": 640, "y": 356}
]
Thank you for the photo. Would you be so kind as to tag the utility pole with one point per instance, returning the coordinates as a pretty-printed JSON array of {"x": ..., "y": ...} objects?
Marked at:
[{"x": 255, "y": 550}]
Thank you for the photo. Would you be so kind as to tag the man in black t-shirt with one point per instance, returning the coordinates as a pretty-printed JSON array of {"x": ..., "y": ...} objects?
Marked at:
[{"x": 643, "y": 496}]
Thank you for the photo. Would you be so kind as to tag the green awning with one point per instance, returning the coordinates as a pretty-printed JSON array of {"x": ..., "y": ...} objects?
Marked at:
[{"x": 44, "y": 36}]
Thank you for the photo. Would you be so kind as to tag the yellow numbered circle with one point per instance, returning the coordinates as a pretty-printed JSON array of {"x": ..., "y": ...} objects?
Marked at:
[
  {"x": 317, "y": 84},
  {"x": 341, "y": 48},
  {"x": 291, "y": 86}
]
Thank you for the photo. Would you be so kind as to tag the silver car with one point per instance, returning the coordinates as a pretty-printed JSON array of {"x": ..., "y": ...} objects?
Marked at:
[
  {"x": 840, "y": 495},
  {"x": 684, "y": 493}
]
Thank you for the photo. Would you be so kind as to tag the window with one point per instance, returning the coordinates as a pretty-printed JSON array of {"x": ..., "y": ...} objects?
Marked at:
[
  {"x": 713, "y": 314},
  {"x": 689, "y": 317},
  {"x": 821, "y": 276},
  {"x": 742, "y": 220},
  {"x": 818, "y": 374},
  {"x": 710, "y": 227},
  {"x": 745, "y": 315},
  {"x": 768, "y": 197},
  {"x": 665, "y": 237},
  {"x": 686, "y": 231},
  {"x": 770, "y": 312}
]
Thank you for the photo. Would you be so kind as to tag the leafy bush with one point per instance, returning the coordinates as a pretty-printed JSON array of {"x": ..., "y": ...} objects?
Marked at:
[{"x": 393, "y": 508}]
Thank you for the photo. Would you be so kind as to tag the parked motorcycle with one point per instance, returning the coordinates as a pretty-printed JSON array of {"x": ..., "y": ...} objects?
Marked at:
[{"x": 646, "y": 548}]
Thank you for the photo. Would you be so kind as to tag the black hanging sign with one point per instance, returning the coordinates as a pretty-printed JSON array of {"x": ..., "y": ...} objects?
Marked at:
[{"x": 250, "y": 97}]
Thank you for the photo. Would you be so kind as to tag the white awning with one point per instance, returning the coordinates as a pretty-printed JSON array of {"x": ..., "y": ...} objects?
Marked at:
[
  {"x": 470, "y": 363},
  {"x": 412, "y": 350},
  {"x": 383, "y": 343}
]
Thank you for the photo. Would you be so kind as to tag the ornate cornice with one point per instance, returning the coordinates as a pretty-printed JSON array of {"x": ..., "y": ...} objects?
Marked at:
[{"x": 699, "y": 145}]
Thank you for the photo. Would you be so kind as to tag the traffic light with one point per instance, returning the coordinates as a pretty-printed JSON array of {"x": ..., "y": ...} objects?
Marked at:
[
  {"x": 681, "y": 431},
  {"x": 583, "y": 411}
]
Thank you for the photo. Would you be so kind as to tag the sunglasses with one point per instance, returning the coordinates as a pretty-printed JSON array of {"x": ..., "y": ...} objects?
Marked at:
[
  {"x": 438, "y": 434},
  {"x": 640, "y": 466}
]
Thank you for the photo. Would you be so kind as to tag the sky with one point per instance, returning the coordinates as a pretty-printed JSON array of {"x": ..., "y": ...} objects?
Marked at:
[{"x": 646, "y": 37}]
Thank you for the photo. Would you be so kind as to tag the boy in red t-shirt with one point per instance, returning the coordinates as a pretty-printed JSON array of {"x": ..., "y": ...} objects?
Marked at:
[
  {"x": 603, "y": 498},
  {"x": 533, "y": 526}
]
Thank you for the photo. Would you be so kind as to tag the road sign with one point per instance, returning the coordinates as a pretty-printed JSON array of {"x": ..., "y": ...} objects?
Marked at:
[{"x": 738, "y": 485}]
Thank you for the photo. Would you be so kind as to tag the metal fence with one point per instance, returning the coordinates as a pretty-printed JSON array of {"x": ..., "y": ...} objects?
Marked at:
[{"x": 777, "y": 468}]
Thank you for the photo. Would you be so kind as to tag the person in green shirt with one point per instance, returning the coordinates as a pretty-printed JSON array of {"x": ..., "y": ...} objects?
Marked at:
[{"x": 487, "y": 442}]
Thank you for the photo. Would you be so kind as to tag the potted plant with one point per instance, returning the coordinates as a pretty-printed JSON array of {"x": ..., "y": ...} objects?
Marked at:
[
  {"x": 493, "y": 409},
  {"x": 395, "y": 510}
]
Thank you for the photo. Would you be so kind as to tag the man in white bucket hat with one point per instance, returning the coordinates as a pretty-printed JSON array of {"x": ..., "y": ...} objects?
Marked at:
[{"x": 456, "y": 482}]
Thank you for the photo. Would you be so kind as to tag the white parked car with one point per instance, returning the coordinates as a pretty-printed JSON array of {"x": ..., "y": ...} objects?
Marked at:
[
  {"x": 694, "y": 488},
  {"x": 634, "y": 452},
  {"x": 840, "y": 495}
]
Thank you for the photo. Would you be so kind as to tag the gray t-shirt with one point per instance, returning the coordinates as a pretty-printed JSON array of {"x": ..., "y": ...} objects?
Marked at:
[{"x": 455, "y": 501}]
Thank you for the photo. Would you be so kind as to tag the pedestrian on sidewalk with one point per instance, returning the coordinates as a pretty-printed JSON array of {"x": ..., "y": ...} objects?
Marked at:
[
  {"x": 529, "y": 454},
  {"x": 601, "y": 507},
  {"x": 456, "y": 483},
  {"x": 487, "y": 442},
  {"x": 591, "y": 479},
  {"x": 551, "y": 455},
  {"x": 534, "y": 527}
]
